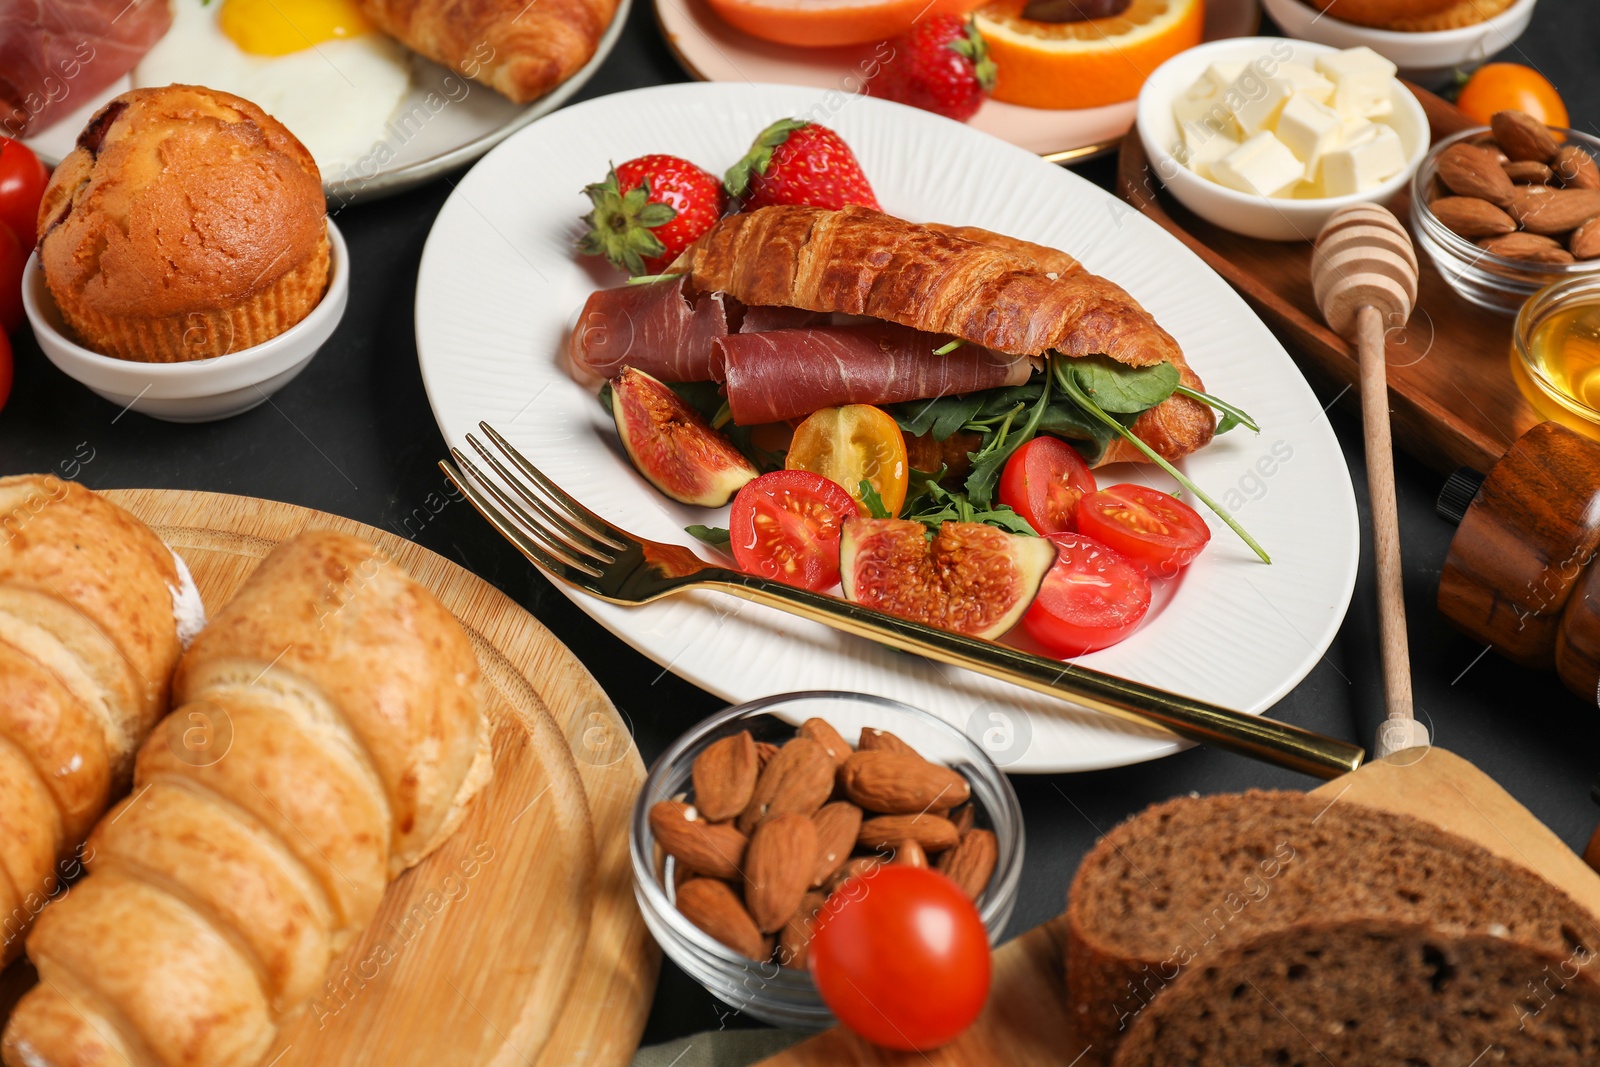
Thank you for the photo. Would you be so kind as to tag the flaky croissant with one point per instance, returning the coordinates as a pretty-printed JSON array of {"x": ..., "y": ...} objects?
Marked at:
[
  {"x": 329, "y": 736},
  {"x": 90, "y": 601}
]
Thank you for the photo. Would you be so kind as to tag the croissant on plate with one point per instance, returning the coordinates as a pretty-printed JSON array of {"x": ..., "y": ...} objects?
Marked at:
[
  {"x": 329, "y": 735},
  {"x": 93, "y": 610}
]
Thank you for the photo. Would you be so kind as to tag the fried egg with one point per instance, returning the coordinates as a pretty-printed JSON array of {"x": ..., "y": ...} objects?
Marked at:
[{"x": 317, "y": 66}]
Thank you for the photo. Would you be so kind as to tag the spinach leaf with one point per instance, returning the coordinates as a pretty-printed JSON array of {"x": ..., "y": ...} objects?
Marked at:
[
  {"x": 872, "y": 501},
  {"x": 1121, "y": 389},
  {"x": 942, "y": 416},
  {"x": 711, "y": 535}
]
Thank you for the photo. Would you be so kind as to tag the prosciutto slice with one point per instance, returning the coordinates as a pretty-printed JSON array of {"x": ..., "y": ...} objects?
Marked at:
[
  {"x": 57, "y": 54},
  {"x": 788, "y": 374},
  {"x": 661, "y": 328}
]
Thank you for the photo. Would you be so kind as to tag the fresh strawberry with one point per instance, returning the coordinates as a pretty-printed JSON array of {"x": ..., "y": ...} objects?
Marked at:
[
  {"x": 940, "y": 65},
  {"x": 797, "y": 162},
  {"x": 648, "y": 210}
]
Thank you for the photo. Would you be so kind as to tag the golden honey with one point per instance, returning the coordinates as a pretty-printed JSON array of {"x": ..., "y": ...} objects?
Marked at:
[{"x": 1564, "y": 350}]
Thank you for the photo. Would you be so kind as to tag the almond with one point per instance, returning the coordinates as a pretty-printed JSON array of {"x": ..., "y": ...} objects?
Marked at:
[
  {"x": 1576, "y": 168},
  {"x": 799, "y": 779},
  {"x": 971, "y": 863},
  {"x": 1486, "y": 141},
  {"x": 908, "y": 853},
  {"x": 860, "y": 867},
  {"x": 933, "y": 833},
  {"x": 1529, "y": 247},
  {"x": 963, "y": 817},
  {"x": 1527, "y": 172},
  {"x": 874, "y": 740},
  {"x": 1470, "y": 171},
  {"x": 725, "y": 776},
  {"x": 1585, "y": 240},
  {"x": 777, "y": 868},
  {"x": 715, "y": 849},
  {"x": 714, "y": 907},
  {"x": 826, "y": 736},
  {"x": 837, "y": 826},
  {"x": 1470, "y": 217},
  {"x": 892, "y": 783},
  {"x": 1521, "y": 136},
  {"x": 795, "y": 937},
  {"x": 1554, "y": 212},
  {"x": 765, "y": 750}
]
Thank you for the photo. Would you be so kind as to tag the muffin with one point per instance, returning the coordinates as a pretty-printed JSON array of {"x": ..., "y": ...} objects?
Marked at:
[{"x": 186, "y": 224}]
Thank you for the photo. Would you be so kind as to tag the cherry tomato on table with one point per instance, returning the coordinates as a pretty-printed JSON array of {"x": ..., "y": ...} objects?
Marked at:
[
  {"x": 1511, "y": 86},
  {"x": 1091, "y": 599},
  {"x": 13, "y": 258},
  {"x": 1043, "y": 482},
  {"x": 852, "y": 444},
  {"x": 901, "y": 957},
  {"x": 785, "y": 525},
  {"x": 22, "y": 182},
  {"x": 1151, "y": 529}
]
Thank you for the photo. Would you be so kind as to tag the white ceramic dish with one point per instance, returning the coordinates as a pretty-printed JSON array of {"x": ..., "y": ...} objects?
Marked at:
[
  {"x": 711, "y": 50},
  {"x": 1258, "y": 216},
  {"x": 203, "y": 390},
  {"x": 444, "y": 122},
  {"x": 1427, "y": 58},
  {"x": 500, "y": 283}
]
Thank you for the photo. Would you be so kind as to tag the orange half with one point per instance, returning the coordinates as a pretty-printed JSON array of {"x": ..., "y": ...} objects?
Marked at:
[
  {"x": 1084, "y": 64},
  {"x": 826, "y": 23}
]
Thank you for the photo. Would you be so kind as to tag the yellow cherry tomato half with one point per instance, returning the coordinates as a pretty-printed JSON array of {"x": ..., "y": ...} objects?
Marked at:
[
  {"x": 852, "y": 444},
  {"x": 1511, "y": 87}
]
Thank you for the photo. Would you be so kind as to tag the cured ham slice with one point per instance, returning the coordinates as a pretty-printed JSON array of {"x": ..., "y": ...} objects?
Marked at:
[
  {"x": 55, "y": 55},
  {"x": 661, "y": 328},
  {"x": 788, "y": 374}
]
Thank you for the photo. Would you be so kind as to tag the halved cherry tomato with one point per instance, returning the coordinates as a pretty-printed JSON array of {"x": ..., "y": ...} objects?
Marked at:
[
  {"x": 854, "y": 443},
  {"x": 1091, "y": 599},
  {"x": 13, "y": 258},
  {"x": 901, "y": 957},
  {"x": 22, "y": 182},
  {"x": 1043, "y": 482},
  {"x": 1511, "y": 86},
  {"x": 786, "y": 524},
  {"x": 1154, "y": 530}
]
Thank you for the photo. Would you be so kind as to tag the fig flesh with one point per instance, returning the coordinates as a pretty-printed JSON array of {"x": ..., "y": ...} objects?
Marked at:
[
  {"x": 672, "y": 446},
  {"x": 971, "y": 578}
]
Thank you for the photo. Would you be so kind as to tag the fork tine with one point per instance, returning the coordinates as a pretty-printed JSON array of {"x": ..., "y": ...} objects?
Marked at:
[
  {"x": 508, "y": 529},
  {"x": 580, "y": 540},
  {"x": 600, "y": 528},
  {"x": 550, "y": 544}
]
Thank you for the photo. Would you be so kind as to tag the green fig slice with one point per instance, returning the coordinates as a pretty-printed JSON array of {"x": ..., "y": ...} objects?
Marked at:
[
  {"x": 970, "y": 578},
  {"x": 672, "y": 446}
]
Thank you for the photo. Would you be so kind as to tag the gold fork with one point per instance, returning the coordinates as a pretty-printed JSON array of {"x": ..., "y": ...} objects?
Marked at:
[{"x": 571, "y": 543}]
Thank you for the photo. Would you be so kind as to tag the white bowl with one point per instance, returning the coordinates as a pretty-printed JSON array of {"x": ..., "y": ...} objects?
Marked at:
[
  {"x": 202, "y": 390},
  {"x": 1429, "y": 58},
  {"x": 1258, "y": 216}
]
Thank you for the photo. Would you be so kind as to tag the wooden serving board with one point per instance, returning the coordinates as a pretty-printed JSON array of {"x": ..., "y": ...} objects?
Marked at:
[
  {"x": 1025, "y": 1023},
  {"x": 1453, "y": 398},
  {"x": 519, "y": 941}
]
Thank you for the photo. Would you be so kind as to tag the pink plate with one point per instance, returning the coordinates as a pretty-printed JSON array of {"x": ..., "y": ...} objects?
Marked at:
[{"x": 712, "y": 50}]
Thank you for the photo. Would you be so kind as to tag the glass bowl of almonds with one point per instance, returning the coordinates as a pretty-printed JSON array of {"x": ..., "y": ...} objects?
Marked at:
[
  {"x": 1505, "y": 210},
  {"x": 755, "y": 818}
]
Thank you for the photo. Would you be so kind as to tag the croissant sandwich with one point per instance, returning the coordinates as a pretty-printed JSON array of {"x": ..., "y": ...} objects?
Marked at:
[
  {"x": 329, "y": 736},
  {"x": 754, "y": 304},
  {"x": 93, "y": 613}
]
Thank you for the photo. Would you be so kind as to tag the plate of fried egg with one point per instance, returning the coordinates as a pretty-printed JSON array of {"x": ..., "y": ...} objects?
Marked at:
[{"x": 377, "y": 116}]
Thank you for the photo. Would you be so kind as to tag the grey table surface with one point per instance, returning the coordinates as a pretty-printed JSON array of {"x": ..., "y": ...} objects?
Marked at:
[{"x": 353, "y": 435}]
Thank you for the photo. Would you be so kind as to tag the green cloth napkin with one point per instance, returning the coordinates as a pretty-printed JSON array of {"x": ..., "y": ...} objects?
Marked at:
[{"x": 718, "y": 1048}]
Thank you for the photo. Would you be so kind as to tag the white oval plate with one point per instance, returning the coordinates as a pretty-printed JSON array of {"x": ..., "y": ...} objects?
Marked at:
[
  {"x": 444, "y": 122},
  {"x": 500, "y": 282},
  {"x": 711, "y": 50}
]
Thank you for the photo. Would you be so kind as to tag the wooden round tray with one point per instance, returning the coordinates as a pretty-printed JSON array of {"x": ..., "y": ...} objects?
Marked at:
[{"x": 519, "y": 941}]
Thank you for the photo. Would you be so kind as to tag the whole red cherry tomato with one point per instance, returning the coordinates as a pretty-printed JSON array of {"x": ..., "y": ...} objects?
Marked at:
[
  {"x": 13, "y": 258},
  {"x": 22, "y": 182}
]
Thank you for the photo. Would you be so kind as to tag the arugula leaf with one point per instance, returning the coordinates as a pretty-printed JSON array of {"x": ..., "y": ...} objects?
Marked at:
[
  {"x": 941, "y": 505},
  {"x": 1123, "y": 390},
  {"x": 942, "y": 416},
  {"x": 990, "y": 460},
  {"x": 872, "y": 501},
  {"x": 711, "y": 535},
  {"x": 917, "y": 483},
  {"x": 605, "y": 397},
  {"x": 1067, "y": 380},
  {"x": 946, "y": 349},
  {"x": 1231, "y": 416}
]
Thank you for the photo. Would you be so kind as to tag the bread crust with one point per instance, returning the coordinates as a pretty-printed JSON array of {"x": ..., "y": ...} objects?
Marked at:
[{"x": 985, "y": 288}]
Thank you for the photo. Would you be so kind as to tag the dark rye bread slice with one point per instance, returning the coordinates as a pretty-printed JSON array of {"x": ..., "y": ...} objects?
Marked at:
[
  {"x": 1185, "y": 879},
  {"x": 1371, "y": 993}
]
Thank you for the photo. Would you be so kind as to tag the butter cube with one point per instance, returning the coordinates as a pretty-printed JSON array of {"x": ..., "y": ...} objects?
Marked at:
[
  {"x": 1203, "y": 146},
  {"x": 1202, "y": 103},
  {"x": 1307, "y": 81},
  {"x": 1363, "y": 82},
  {"x": 1262, "y": 165},
  {"x": 1374, "y": 155},
  {"x": 1222, "y": 75},
  {"x": 1257, "y": 101},
  {"x": 1309, "y": 129}
]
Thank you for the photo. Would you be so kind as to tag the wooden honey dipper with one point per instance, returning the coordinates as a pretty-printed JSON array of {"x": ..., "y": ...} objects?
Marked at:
[{"x": 1364, "y": 278}]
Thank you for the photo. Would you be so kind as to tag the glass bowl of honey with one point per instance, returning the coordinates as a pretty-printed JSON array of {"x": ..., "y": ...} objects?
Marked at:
[{"x": 1557, "y": 343}]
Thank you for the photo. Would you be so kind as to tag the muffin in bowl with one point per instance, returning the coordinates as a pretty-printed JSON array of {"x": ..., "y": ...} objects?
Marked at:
[{"x": 186, "y": 224}]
